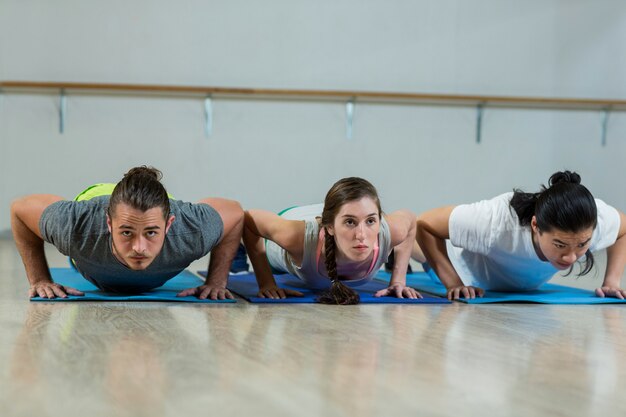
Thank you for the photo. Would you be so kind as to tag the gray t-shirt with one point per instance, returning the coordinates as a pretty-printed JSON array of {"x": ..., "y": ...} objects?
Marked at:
[{"x": 79, "y": 230}]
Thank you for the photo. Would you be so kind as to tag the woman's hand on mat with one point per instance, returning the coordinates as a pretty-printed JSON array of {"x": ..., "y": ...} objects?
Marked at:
[
  {"x": 49, "y": 289},
  {"x": 399, "y": 291},
  {"x": 455, "y": 293},
  {"x": 276, "y": 293},
  {"x": 608, "y": 291},
  {"x": 204, "y": 292}
]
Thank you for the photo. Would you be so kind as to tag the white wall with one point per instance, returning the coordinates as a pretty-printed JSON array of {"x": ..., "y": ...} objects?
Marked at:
[
  {"x": 591, "y": 61},
  {"x": 273, "y": 154}
]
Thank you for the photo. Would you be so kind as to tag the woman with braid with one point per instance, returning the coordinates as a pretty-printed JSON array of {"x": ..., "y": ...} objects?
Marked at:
[
  {"x": 332, "y": 246},
  {"x": 518, "y": 241}
]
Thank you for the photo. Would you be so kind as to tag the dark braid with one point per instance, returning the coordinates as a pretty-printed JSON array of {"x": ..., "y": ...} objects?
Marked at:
[
  {"x": 329, "y": 252},
  {"x": 338, "y": 293}
]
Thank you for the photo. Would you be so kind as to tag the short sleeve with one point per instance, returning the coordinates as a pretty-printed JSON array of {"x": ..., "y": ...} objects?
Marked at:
[
  {"x": 472, "y": 226},
  {"x": 195, "y": 231},
  {"x": 55, "y": 225},
  {"x": 210, "y": 224},
  {"x": 607, "y": 227}
]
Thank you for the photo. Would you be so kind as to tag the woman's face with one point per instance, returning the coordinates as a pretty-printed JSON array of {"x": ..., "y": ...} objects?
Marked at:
[
  {"x": 561, "y": 248},
  {"x": 356, "y": 229}
]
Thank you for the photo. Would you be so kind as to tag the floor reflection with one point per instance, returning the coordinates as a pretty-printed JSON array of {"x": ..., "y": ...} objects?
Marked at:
[{"x": 153, "y": 359}]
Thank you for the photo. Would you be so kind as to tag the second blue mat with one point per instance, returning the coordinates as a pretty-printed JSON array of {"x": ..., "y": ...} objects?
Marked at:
[
  {"x": 546, "y": 294},
  {"x": 245, "y": 285}
]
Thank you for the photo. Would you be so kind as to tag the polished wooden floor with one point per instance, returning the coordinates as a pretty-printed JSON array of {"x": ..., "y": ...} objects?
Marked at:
[{"x": 167, "y": 359}]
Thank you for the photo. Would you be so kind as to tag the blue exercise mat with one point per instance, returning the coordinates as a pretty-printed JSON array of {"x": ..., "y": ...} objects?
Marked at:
[
  {"x": 167, "y": 292},
  {"x": 245, "y": 285},
  {"x": 546, "y": 294}
]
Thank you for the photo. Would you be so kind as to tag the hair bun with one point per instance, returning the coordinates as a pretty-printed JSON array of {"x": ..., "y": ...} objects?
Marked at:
[
  {"x": 564, "y": 177},
  {"x": 144, "y": 170}
]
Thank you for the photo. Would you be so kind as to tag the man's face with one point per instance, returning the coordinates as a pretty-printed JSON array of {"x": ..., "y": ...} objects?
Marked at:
[{"x": 137, "y": 235}]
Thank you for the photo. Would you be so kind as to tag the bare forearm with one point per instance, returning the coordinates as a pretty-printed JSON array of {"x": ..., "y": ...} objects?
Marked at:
[
  {"x": 402, "y": 255},
  {"x": 256, "y": 252},
  {"x": 434, "y": 249},
  {"x": 31, "y": 249},
  {"x": 223, "y": 254},
  {"x": 222, "y": 257},
  {"x": 616, "y": 261}
]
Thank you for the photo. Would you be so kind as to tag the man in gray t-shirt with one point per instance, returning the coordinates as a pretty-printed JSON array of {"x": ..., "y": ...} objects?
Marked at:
[{"x": 129, "y": 242}]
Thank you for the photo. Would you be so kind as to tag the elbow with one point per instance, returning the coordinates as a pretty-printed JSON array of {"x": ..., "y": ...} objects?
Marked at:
[
  {"x": 248, "y": 220},
  {"x": 17, "y": 208},
  {"x": 411, "y": 231},
  {"x": 236, "y": 213},
  {"x": 404, "y": 224},
  {"x": 421, "y": 231},
  {"x": 231, "y": 213},
  {"x": 237, "y": 210}
]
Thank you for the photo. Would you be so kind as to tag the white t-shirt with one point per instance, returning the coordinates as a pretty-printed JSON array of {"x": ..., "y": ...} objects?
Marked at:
[{"x": 489, "y": 249}]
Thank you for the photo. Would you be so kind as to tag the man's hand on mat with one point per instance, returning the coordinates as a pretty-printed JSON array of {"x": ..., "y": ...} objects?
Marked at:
[
  {"x": 399, "y": 291},
  {"x": 455, "y": 293},
  {"x": 207, "y": 291},
  {"x": 607, "y": 291},
  {"x": 51, "y": 290},
  {"x": 277, "y": 293}
]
